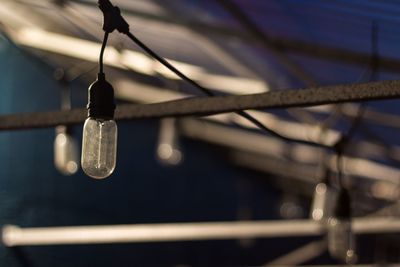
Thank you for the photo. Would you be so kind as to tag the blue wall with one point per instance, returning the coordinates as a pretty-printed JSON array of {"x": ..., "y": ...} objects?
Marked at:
[{"x": 33, "y": 193}]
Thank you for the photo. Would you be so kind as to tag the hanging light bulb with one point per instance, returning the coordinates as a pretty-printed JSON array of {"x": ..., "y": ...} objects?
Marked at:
[
  {"x": 341, "y": 241},
  {"x": 321, "y": 208},
  {"x": 168, "y": 149},
  {"x": 290, "y": 207},
  {"x": 66, "y": 157},
  {"x": 99, "y": 144}
]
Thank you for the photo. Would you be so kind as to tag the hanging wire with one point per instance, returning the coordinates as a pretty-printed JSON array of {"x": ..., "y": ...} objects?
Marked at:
[
  {"x": 168, "y": 65},
  {"x": 103, "y": 47},
  {"x": 341, "y": 144},
  {"x": 79, "y": 27},
  {"x": 203, "y": 89},
  {"x": 333, "y": 118},
  {"x": 113, "y": 20},
  {"x": 206, "y": 91},
  {"x": 339, "y": 169}
]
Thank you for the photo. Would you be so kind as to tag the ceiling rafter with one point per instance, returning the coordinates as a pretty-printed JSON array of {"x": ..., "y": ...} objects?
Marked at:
[{"x": 204, "y": 106}]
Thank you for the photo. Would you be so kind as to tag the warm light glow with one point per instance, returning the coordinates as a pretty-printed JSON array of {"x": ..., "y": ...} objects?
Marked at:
[
  {"x": 341, "y": 243},
  {"x": 99, "y": 147},
  {"x": 128, "y": 59},
  {"x": 234, "y": 85},
  {"x": 16, "y": 236},
  {"x": 321, "y": 207},
  {"x": 168, "y": 149},
  {"x": 369, "y": 169},
  {"x": 166, "y": 153},
  {"x": 66, "y": 156}
]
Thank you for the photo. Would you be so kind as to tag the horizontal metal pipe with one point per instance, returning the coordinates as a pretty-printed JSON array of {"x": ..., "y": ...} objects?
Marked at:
[
  {"x": 202, "y": 106},
  {"x": 16, "y": 236}
]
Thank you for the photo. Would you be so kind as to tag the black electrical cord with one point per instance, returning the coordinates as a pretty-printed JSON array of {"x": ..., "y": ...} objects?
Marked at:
[
  {"x": 339, "y": 168},
  {"x": 341, "y": 144},
  {"x": 103, "y": 47},
  {"x": 344, "y": 140},
  {"x": 206, "y": 91},
  {"x": 168, "y": 65},
  {"x": 113, "y": 20}
]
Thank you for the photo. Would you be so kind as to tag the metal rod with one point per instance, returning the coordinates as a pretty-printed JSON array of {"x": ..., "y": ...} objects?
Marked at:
[
  {"x": 202, "y": 106},
  {"x": 300, "y": 255},
  {"x": 264, "y": 154},
  {"x": 16, "y": 236}
]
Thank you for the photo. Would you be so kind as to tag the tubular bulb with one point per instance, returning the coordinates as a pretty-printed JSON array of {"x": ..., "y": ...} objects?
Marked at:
[
  {"x": 66, "y": 157},
  {"x": 341, "y": 240},
  {"x": 99, "y": 143},
  {"x": 99, "y": 147},
  {"x": 168, "y": 149},
  {"x": 324, "y": 196}
]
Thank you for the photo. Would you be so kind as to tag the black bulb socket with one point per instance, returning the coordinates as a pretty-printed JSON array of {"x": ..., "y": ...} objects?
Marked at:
[
  {"x": 101, "y": 99},
  {"x": 326, "y": 178},
  {"x": 343, "y": 205}
]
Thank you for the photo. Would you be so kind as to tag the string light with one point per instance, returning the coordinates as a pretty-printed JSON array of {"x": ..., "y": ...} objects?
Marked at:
[
  {"x": 321, "y": 208},
  {"x": 341, "y": 240},
  {"x": 168, "y": 148},
  {"x": 66, "y": 159},
  {"x": 99, "y": 142}
]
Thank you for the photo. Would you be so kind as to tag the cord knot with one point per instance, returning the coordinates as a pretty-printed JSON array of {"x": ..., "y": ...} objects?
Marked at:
[{"x": 112, "y": 18}]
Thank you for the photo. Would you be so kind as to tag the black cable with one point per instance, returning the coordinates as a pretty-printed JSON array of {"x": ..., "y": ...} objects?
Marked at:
[
  {"x": 103, "y": 47},
  {"x": 339, "y": 168},
  {"x": 113, "y": 20},
  {"x": 206, "y": 91},
  {"x": 168, "y": 65},
  {"x": 346, "y": 138}
]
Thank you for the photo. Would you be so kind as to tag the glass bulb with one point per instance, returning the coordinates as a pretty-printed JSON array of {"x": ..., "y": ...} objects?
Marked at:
[
  {"x": 341, "y": 242},
  {"x": 168, "y": 150},
  {"x": 99, "y": 147},
  {"x": 322, "y": 205},
  {"x": 66, "y": 158}
]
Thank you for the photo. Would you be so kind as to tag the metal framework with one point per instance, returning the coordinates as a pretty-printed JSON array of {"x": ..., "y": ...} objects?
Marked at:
[
  {"x": 13, "y": 236},
  {"x": 16, "y": 236},
  {"x": 283, "y": 44},
  {"x": 202, "y": 106}
]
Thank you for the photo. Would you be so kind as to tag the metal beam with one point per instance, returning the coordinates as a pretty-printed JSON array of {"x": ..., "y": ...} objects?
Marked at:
[
  {"x": 300, "y": 255},
  {"x": 203, "y": 106},
  {"x": 167, "y": 232},
  {"x": 131, "y": 60},
  {"x": 299, "y": 163}
]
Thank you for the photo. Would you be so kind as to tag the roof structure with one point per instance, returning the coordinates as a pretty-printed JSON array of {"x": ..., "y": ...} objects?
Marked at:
[{"x": 274, "y": 51}]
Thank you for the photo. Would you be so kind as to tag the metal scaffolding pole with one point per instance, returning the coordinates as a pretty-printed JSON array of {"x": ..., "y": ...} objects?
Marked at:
[
  {"x": 203, "y": 106},
  {"x": 169, "y": 232}
]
